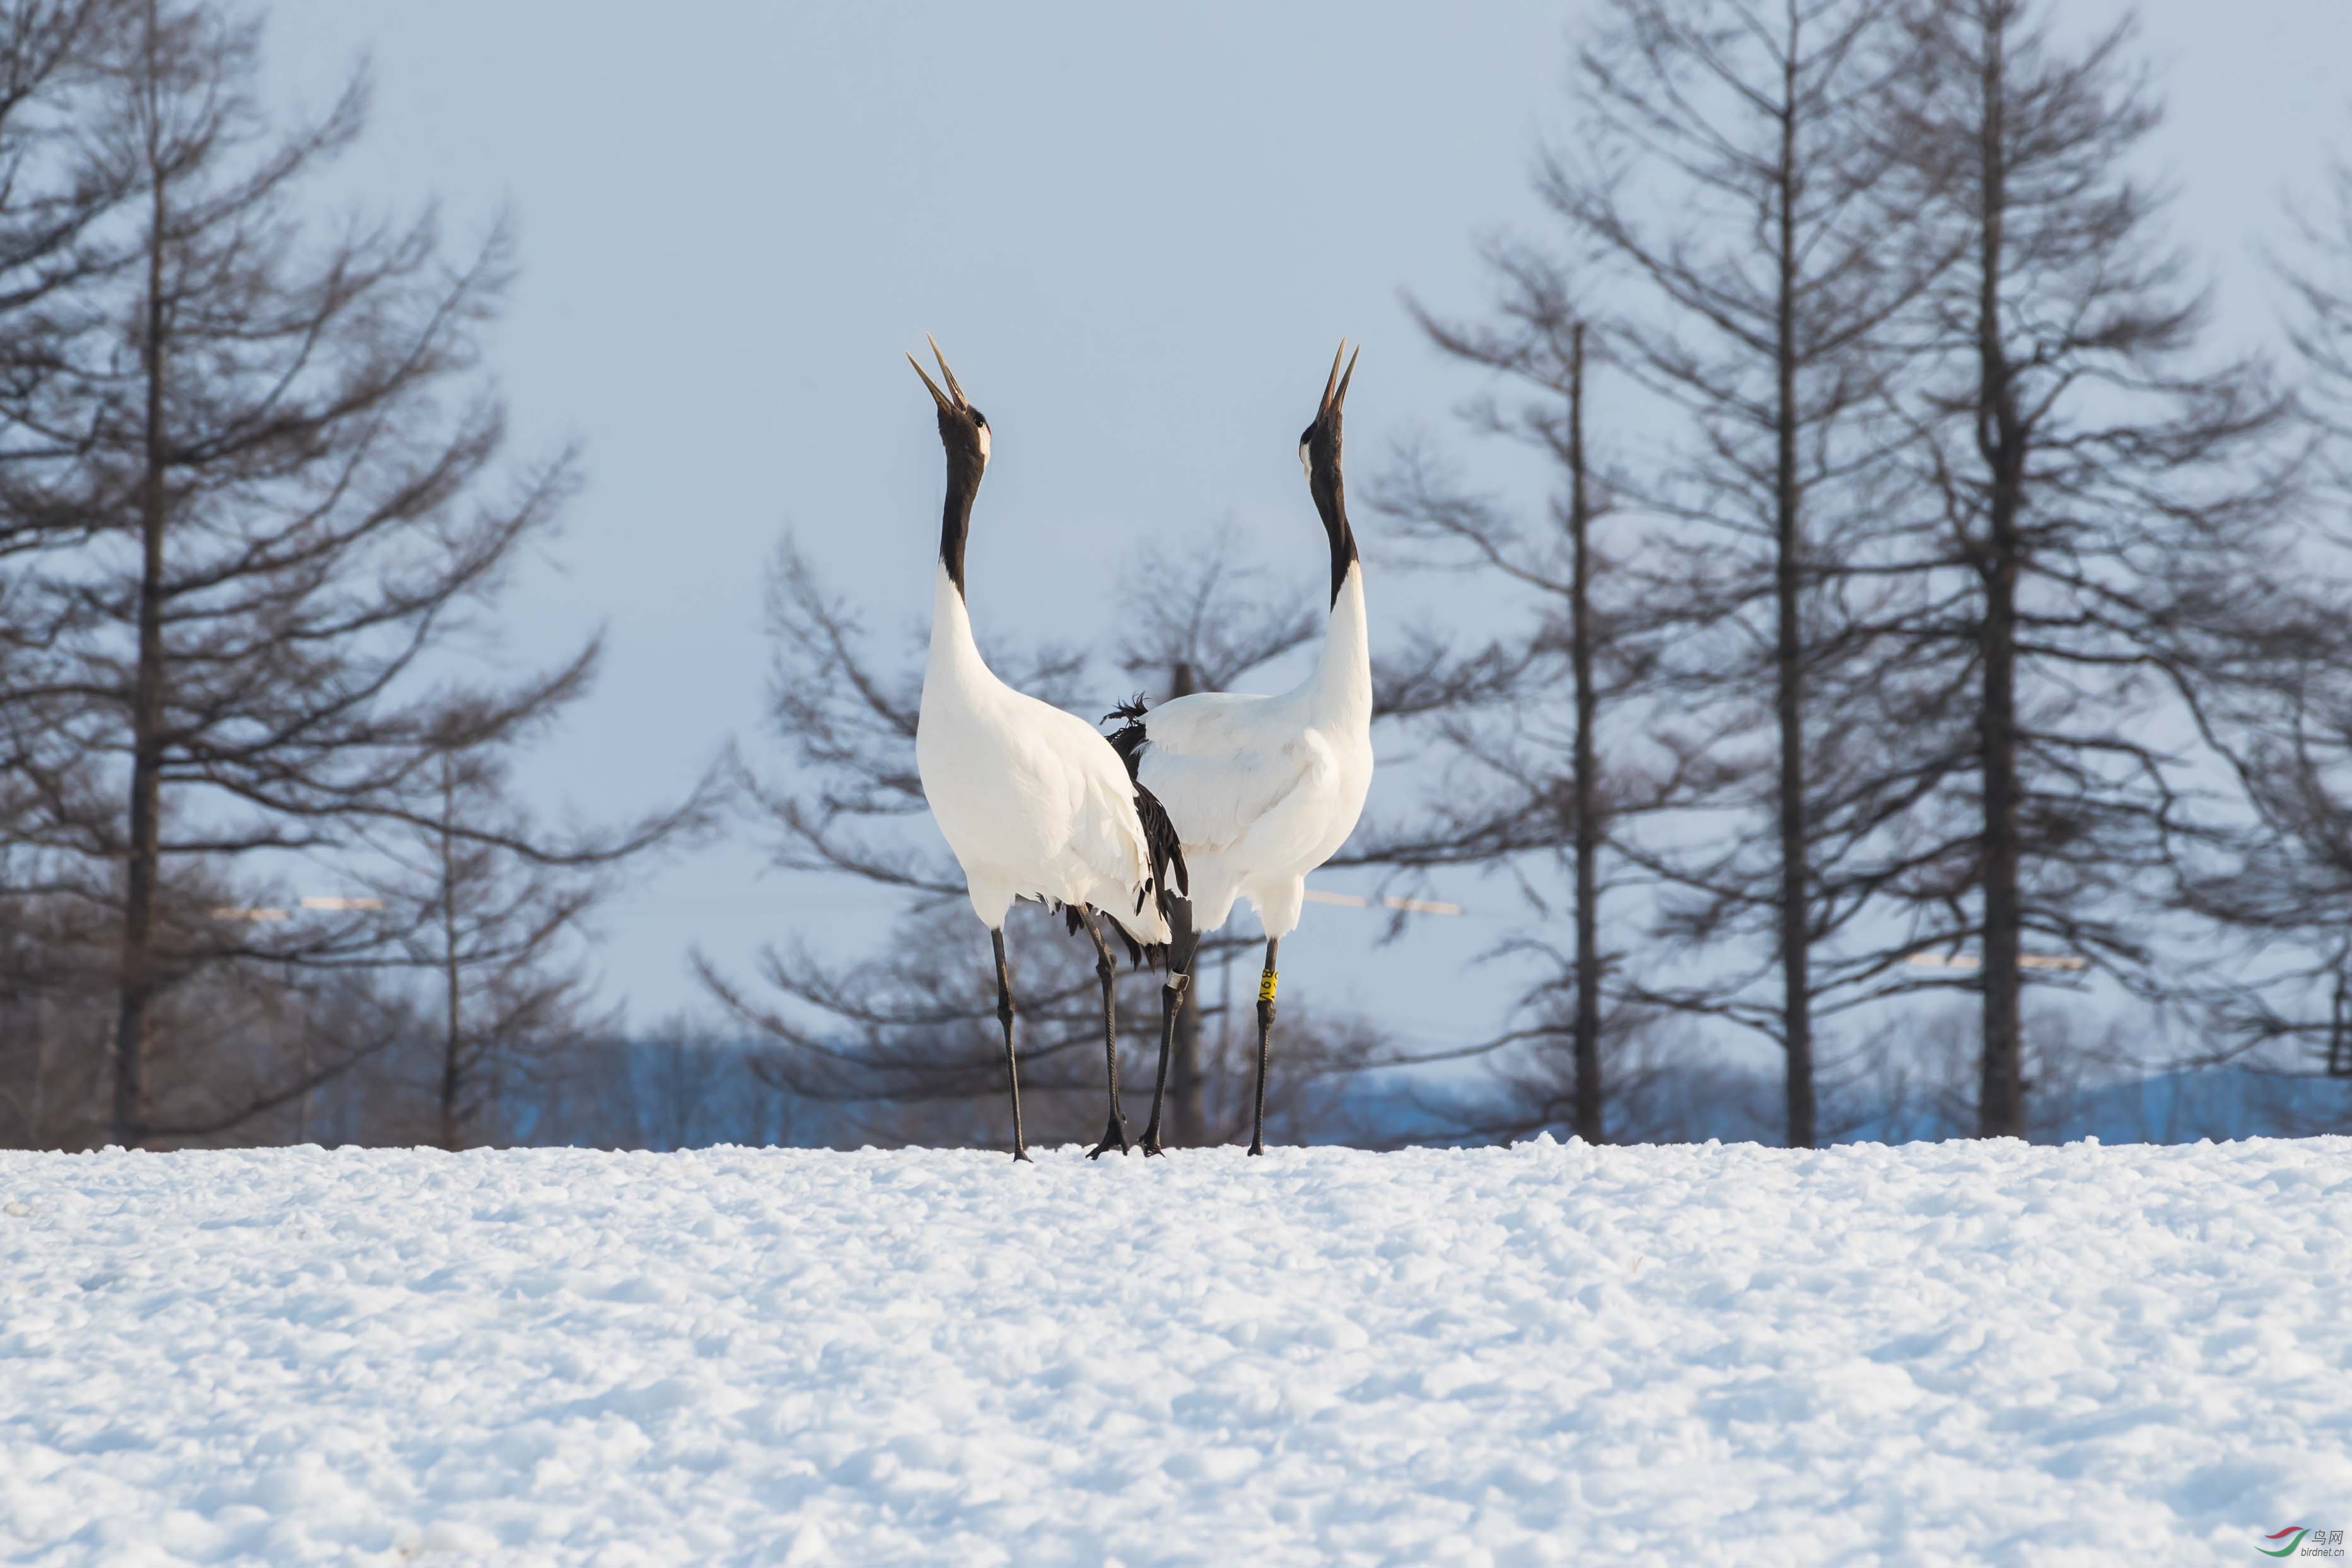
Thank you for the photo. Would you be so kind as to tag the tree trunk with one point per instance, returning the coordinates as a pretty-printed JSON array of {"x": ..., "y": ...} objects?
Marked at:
[
  {"x": 2002, "y": 440},
  {"x": 1586, "y": 777},
  {"x": 1190, "y": 1124},
  {"x": 143, "y": 853},
  {"x": 1796, "y": 979},
  {"x": 452, "y": 1042},
  {"x": 2001, "y": 1114}
]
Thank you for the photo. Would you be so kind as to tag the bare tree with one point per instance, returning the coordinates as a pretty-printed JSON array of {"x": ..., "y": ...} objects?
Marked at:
[
  {"x": 2108, "y": 518},
  {"x": 57, "y": 256},
  {"x": 502, "y": 907},
  {"x": 1732, "y": 224},
  {"x": 1533, "y": 784},
  {"x": 2287, "y": 893},
  {"x": 59, "y": 249},
  {"x": 289, "y": 472}
]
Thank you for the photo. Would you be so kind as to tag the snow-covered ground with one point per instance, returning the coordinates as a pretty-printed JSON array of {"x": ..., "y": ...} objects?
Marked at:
[{"x": 1936, "y": 1353}]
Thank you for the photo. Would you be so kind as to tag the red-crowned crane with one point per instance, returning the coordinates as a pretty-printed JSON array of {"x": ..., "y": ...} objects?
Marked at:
[
  {"x": 1034, "y": 803},
  {"x": 1263, "y": 790}
]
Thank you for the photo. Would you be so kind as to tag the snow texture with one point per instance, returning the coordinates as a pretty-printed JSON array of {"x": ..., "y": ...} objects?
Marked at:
[{"x": 1937, "y": 1354}]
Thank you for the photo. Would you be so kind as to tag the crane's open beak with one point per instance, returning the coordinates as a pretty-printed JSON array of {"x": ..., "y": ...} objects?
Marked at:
[
  {"x": 955, "y": 405},
  {"x": 1335, "y": 390},
  {"x": 937, "y": 396}
]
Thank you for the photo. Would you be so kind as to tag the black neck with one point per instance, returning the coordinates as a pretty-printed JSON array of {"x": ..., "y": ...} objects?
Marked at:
[
  {"x": 955, "y": 520},
  {"x": 1332, "y": 501}
]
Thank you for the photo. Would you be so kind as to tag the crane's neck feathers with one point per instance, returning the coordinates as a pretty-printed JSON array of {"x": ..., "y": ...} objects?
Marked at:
[
  {"x": 967, "y": 449},
  {"x": 1343, "y": 557},
  {"x": 1330, "y": 493},
  {"x": 1342, "y": 681},
  {"x": 954, "y": 663}
]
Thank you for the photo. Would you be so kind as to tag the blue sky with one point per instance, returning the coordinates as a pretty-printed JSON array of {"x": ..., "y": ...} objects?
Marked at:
[{"x": 1137, "y": 231}]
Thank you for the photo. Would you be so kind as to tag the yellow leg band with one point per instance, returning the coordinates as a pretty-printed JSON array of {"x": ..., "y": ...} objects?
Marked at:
[{"x": 1266, "y": 986}]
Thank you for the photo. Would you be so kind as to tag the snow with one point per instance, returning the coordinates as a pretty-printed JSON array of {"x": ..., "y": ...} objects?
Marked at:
[{"x": 1937, "y": 1354}]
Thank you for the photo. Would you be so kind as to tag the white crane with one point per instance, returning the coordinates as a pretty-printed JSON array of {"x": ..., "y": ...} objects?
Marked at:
[
  {"x": 1034, "y": 803},
  {"x": 1263, "y": 790}
]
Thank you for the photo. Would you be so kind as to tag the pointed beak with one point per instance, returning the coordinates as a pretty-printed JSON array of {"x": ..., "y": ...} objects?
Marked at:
[
  {"x": 961, "y": 402},
  {"x": 1325, "y": 406},
  {"x": 937, "y": 396},
  {"x": 1340, "y": 397},
  {"x": 952, "y": 401}
]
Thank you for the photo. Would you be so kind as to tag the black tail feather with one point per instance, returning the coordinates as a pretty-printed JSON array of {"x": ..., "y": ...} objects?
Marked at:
[
  {"x": 1128, "y": 739},
  {"x": 1073, "y": 916},
  {"x": 1169, "y": 880},
  {"x": 1167, "y": 852}
]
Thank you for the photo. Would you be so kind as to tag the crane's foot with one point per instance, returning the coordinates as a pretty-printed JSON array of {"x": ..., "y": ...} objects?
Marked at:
[
  {"x": 1021, "y": 1157},
  {"x": 1152, "y": 1144},
  {"x": 1255, "y": 1147},
  {"x": 1114, "y": 1137}
]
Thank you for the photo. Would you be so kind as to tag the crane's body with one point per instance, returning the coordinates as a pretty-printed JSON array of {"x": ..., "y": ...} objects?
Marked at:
[
  {"x": 1034, "y": 802},
  {"x": 1263, "y": 790}
]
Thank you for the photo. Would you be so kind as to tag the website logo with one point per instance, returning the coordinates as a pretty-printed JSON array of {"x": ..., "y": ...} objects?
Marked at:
[{"x": 2296, "y": 1541}]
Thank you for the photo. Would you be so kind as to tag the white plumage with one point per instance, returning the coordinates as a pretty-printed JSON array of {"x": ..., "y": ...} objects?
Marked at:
[
  {"x": 1032, "y": 800},
  {"x": 1263, "y": 790}
]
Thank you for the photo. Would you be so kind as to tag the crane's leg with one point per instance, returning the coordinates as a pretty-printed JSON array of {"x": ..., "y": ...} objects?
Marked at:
[
  {"x": 1265, "y": 1044},
  {"x": 1184, "y": 944},
  {"x": 1115, "y": 1136},
  {"x": 1011, "y": 1066}
]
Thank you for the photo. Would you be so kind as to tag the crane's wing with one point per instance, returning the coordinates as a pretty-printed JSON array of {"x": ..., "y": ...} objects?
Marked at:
[
  {"x": 1121, "y": 866},
  {"x": 1225, "y": 763}
]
